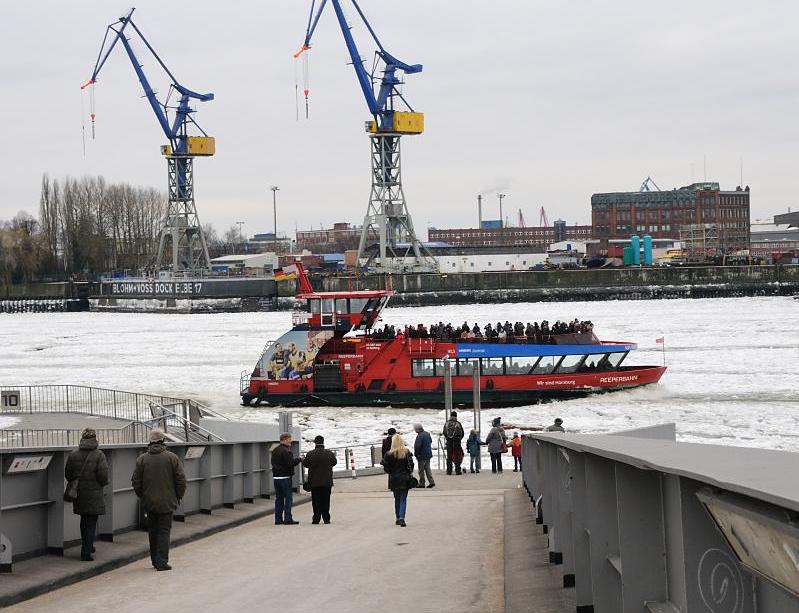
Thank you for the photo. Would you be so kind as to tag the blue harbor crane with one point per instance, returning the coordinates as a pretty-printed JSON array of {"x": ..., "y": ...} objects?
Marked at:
[
  {"x": 387, "y": 216},
  {"x": 181, "y": 230}
]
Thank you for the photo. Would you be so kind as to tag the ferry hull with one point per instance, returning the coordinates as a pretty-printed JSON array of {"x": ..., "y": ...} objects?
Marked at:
[{"x": 539, "y": 390}]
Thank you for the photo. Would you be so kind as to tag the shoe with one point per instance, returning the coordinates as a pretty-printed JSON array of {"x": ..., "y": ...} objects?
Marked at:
[
  {"x": 431, "y": 485},
  {"x": 84, "y": 558},
  {"x": 449, "y": 472},
  {"x": 278, "y": 523},
  {"x": 315, "y": 522},
  {"x": 471, "y": 470},
  {"x": 402, "y": 523},
  {"x": 515, "y": 470},
  {"x": 291, "y": 522},
  {"x": 327, "y": 521},
  {"x": 397, "y": 523},
  {"x": 477, "y": 471},
  {"x": 163, "y": 567}
]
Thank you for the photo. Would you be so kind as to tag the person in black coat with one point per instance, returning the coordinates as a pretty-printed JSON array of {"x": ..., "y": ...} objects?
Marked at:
[
  {"x": 386, "y": 447},
  {"x": 398, "y": 463},
  {"x": 320, "y": 463},
  {"x": 89, "y": 466},
  {"x": 283, "y": 464}
]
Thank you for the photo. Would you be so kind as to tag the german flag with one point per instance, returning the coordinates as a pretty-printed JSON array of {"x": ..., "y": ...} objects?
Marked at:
[{"x": 286, "y": 273}]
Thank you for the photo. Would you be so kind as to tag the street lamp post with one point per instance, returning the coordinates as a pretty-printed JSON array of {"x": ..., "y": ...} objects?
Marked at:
[
  {"x": 274, "y": 189},
  {"x": 501, "y": 218}
]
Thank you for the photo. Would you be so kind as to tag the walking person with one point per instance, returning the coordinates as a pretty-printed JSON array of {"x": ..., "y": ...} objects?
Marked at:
[
  {"x": 160, "y": 483},
  {"x": 473, "y": 444},
  {"x": 398, "y": 463},
  {"x": 423, "y": 451},
  {"x": 386, "y": 446},
  {"x": 516, "y": 451},
  {"x": 283, "y": 464},
  {"x": 320, "y": 463},
  {"x": 88, "y": 466},
  {"x": 557, "y": 426},
  {"x": 497, "y": 442},
  {"x": 453, "y": 434}
]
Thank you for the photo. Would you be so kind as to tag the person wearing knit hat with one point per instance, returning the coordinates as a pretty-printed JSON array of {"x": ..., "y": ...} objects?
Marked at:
[
  {"x": 87, "y": 466},
  {"x": 160, "y": 483},
  {"x": 320, "y": 462}
]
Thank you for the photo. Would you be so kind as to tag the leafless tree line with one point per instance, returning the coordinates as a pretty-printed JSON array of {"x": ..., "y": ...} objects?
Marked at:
[{"x": 85, "y": 226}]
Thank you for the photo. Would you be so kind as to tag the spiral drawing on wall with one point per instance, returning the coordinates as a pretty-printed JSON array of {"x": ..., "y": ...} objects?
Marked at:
[{"x": 720, "y": 582}]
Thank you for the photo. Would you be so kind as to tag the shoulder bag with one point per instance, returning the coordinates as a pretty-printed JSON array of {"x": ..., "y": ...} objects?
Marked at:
[{"x": 71, "y": 491}]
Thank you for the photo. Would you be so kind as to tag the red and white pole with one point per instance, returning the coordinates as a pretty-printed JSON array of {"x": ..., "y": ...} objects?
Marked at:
[{"x": 351, "y": 460}]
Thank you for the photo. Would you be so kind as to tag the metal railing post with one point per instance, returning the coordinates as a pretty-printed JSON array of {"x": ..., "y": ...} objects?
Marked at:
[
  {"x": 447, "y": 387},
  {"x": 476, "y": 410}
]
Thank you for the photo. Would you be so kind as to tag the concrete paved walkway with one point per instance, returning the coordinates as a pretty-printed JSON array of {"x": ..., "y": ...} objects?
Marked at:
[{"x": 451, "y": 557}]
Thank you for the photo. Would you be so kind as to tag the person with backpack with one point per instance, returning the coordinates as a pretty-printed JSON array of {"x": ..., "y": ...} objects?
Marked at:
[
  {"x": 516, "y": 451},
  {"x": 473, "y": 449},
  {"x": 88, "y": 468},
  {"x": 497, "y": 444},
  {"x": 453, "y": 434},
  {"x": 398, "y": 463}
]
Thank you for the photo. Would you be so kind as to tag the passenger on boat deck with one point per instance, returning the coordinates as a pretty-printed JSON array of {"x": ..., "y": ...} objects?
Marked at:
[{"x": 534, "y": 332}]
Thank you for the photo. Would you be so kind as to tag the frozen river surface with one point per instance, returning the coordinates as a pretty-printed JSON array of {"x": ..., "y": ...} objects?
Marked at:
[{"x": 732, "y": 375}]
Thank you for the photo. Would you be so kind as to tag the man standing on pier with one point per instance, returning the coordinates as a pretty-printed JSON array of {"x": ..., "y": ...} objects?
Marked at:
[
  {"x": 453, "y": 434},
  {"x": 283, "y": 464},
  {"x": 160, "y": 482},
  {"x": 423, "y": 450},
  {"x": 320, "y": 462}
]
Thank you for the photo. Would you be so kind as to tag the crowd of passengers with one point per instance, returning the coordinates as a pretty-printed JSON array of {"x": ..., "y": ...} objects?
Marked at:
[{"x": 536, "y": 333}]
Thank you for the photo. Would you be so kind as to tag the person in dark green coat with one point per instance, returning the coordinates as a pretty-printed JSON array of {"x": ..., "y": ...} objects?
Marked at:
[{"x": 88, "y": 465}]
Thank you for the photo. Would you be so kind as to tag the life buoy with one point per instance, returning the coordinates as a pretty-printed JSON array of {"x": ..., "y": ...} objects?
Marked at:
[{"x": 490, "y": 384}]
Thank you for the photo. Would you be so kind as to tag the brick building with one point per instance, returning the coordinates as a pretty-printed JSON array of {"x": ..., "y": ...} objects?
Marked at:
[
  {"x": 338, "y": 239},
  {"x": 663, "y": 214},
  {"x": 539, "y": 237}
]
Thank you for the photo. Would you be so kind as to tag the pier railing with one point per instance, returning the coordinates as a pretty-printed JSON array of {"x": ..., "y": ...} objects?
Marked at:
[
  {"x": 95, "y": 401},
  {"x": 638, "y": 523}
]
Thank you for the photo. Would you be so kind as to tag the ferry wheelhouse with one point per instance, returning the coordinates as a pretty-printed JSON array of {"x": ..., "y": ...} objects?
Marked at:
[{"x": 331, "y": 357}]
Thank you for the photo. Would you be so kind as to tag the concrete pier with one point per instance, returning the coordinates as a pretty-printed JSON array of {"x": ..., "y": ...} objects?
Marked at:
[{"x": 471, "y": 545}]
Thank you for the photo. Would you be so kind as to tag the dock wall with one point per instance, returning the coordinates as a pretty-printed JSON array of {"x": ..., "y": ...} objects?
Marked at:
[
  {"x": 641, "y": 524},
  {"x": 563, "y": 285}
]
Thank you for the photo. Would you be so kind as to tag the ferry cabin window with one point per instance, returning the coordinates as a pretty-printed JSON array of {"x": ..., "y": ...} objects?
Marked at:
[
  {"x": 491, "y": 366},
  {"x": 341, "y": 306},
  {"x": 327, "y": 305},
  {"x": 440, "y": 368},
  {"x": 314, "y": 306},
  {"x": 615, "y": 359},
  {"x": 466, "y": 366},
  {"x": 357, "y": 304},
  {"x": 570, "y": 363},
  {"x": 521, "y": 365},
  {"x": 423, "y": 368},
  {"x": 546, "y": 364}
]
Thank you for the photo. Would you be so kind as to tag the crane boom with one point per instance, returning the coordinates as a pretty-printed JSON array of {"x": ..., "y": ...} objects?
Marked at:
[
  {"x": 380, "y": 104},
  {"x": 176, "y": 133}
]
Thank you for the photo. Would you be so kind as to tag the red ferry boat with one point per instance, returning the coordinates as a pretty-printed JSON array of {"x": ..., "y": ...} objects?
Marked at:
[{"x": 331, "y": 357}]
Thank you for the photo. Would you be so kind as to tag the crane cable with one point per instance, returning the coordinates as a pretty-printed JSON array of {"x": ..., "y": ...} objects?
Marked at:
[
  {"x": 306, "y": 86},
  {"x": 89, "y": 84}
]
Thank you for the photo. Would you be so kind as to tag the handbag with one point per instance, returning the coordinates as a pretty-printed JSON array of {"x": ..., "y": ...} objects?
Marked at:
[
  {"x": 71, "y": 491},
  {"x": 306, "y": 486},
  {"x": 412, "y": 482},
  {"x": 504, "y": 448}
]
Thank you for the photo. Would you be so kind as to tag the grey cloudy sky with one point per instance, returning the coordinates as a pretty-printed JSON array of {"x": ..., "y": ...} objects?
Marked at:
[{"x": 547, "y": 101}]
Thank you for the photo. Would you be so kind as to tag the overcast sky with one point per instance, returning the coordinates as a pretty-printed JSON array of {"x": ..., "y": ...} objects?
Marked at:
[{"x": 546, "y": 101}]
